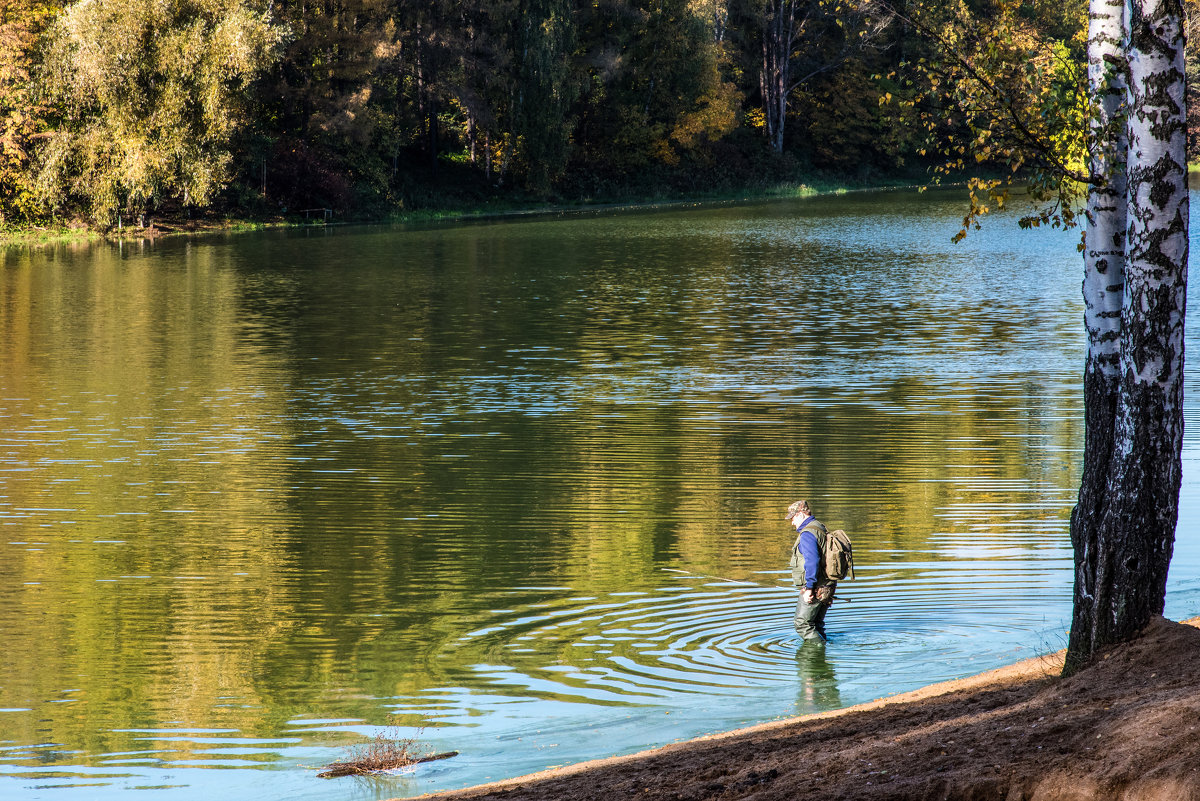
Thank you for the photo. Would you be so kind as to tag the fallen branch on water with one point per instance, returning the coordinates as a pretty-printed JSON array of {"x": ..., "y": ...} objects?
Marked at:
[{"x": 382, "y": 754}]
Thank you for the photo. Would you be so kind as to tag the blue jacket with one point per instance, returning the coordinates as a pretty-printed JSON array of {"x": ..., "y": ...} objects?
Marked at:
[{"x": 812, "y": 557}]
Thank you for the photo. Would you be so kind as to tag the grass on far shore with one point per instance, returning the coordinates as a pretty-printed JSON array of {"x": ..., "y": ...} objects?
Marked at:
[
  {"x": 432, "y": 211},
  {"x": 437, "y": 205}
]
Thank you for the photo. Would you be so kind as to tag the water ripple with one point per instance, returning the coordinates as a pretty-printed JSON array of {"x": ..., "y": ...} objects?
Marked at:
[{"x": 699, "y": 636}]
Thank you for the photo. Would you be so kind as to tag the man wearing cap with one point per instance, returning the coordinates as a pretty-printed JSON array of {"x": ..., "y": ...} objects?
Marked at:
[{"x": 816, "y": 590}]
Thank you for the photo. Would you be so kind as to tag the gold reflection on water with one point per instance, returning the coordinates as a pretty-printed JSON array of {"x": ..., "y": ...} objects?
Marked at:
[
  {"x": 161, "y": 432},
  {"x": 228, "y": 502}
]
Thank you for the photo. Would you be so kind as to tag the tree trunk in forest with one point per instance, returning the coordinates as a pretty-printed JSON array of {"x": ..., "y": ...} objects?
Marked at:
[
  {"x": 1123, "y": 528},
  {"x": 433, "y": 136},
  {"x": 778, "y": 34},
  {"x": 419, "y": 74},
  {"x": 720, "y": 20},
  {"x": 471, "y": 136}
]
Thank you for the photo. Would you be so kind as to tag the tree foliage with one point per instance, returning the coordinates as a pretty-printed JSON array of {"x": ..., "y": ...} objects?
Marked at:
[
  {"x": 369, "y": 105},
  {"x": 655, "y": 89},
  {"x": 1005, "y": 90},
  {"x": 800, "y": 40},
  {"x": 151, "y": 98},
  {"x": 22, "y": 113}
]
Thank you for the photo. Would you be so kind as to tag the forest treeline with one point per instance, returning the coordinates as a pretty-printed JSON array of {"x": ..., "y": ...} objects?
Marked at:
[{"x": 112, "y": 110}]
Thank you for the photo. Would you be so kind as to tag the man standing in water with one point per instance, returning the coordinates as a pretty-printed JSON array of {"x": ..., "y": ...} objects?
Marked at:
[{"x": 816, "y": 589}]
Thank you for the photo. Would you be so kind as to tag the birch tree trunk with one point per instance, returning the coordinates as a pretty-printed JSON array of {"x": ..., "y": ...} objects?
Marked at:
[
  {"x": 1123, "y": 528},
  {"x": 1103, "y": 291}
]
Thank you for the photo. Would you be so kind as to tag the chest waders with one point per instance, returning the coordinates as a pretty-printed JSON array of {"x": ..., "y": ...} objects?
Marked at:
[{"x": 810, "y": 618}]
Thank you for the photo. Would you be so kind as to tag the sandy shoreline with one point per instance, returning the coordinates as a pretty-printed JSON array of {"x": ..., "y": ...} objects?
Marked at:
[{"x": 1127, "y": 727}]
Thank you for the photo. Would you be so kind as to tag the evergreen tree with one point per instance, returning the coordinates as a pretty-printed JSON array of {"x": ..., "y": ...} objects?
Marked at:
[{"x": 543, "y": 43}]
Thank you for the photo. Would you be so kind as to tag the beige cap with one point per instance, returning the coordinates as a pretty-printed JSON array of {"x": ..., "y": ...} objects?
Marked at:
[{"x": 796, "y": 508}]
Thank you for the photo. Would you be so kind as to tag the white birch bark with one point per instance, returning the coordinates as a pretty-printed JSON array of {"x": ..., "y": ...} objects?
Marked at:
[
  {"x": 1104, "y": 255},
  {"x": 1103, "y": 292},
  {"x": 1123, "y": 528},
  {"x": 1157, "y": 247},
  {"x": 1149, "y": 424}
]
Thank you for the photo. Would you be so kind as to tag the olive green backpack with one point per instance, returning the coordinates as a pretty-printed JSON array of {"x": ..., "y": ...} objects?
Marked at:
[{"x": 837, "y": 555}]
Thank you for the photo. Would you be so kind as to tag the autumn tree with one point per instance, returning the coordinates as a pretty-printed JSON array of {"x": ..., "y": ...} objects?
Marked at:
[
  {"x": 23, "y": 114},
  {"x": 1191, "y": 9},
  {"x": 152, "y": 96},
  {"x": 1001, "y": 99},
  {"x": 329, "y": 108}
]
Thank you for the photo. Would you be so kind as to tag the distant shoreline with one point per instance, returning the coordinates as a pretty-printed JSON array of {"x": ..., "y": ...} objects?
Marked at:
[{"x": 27, "y": 236}]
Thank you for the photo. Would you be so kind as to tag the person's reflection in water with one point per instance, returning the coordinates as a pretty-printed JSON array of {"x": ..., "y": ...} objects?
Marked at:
[{"x": 818, "y": 684}]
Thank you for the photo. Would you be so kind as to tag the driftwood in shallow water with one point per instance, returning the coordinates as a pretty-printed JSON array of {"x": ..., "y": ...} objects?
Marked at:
[{"x": 379, "y": 756}]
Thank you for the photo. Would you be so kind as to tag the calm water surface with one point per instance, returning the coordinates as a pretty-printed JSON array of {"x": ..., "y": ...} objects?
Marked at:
[{"x": 516, "y": 488}]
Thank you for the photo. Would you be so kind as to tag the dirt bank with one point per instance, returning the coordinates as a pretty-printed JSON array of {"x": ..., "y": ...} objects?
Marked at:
[{"x": 1128, "y": 728}]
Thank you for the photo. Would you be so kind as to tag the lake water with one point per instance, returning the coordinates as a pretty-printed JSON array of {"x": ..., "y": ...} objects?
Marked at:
[{"x": 516, "y": 488}]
